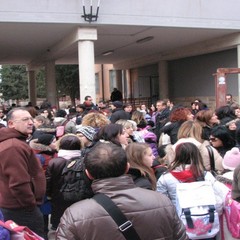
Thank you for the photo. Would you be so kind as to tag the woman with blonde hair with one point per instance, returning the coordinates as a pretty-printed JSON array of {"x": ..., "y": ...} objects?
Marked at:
[
  {"x": 191, "y": 131},
  {"x": 95, "y": 120},
  {"x": 138, "y": 117},
  {"x": 128, "y": 127},
  {"x": 140, "y": 158}
]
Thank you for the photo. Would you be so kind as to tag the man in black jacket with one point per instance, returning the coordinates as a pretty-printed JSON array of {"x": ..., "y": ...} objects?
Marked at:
[
  {"x": 116, "y": 95},
  {"x": 162, "y": 116}
]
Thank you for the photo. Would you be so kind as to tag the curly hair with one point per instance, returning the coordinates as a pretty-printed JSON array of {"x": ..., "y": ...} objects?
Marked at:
[
  {"x": 95, "y": 120},
  {"x": 179, "y": 114}
]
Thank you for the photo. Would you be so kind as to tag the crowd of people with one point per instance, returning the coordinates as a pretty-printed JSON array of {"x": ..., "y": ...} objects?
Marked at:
[{"x": 134, "y": 155}]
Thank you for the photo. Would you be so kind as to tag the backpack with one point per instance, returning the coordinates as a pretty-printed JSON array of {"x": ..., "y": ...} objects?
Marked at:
[
  {"x": 195, "y": 204},
  {"x": 77, "y": 185},
  {"x": 232, "y": 214}
]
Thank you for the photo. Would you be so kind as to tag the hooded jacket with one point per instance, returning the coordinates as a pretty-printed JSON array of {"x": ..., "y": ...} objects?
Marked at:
[
  {"x": 22, "y": 180},
  {"x": 152, "y": 214},
  {"x": 42, "y": 152}
]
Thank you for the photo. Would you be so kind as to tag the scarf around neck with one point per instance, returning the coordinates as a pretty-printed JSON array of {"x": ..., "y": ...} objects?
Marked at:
[
  {"x": 183, "y": 176},
  {"x": 68, "y": 154}
]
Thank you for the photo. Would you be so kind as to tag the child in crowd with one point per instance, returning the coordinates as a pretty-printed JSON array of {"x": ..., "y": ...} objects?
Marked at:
[{"x": 140, "y": 158}]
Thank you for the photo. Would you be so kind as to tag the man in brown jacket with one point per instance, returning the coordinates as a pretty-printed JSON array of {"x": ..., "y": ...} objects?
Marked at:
[
  {"x": 22, "y": 181},
  {"x": 152, "y": 215}
]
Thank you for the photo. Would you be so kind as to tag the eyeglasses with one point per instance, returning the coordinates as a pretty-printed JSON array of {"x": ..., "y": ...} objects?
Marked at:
[
  {"x": 26, "y": 119},
  {"x": 213, "y": 139}
]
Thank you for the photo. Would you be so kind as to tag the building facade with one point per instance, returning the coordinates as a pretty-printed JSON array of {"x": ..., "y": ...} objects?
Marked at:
[{"x": 158, "y": 49}]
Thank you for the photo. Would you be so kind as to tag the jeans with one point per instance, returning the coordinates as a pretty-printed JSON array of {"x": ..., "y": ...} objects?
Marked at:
[{"x": 32, "y": 219}]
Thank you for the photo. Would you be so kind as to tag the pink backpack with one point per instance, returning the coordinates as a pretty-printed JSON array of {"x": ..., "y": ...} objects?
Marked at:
[{"x": 232, "y": 213}]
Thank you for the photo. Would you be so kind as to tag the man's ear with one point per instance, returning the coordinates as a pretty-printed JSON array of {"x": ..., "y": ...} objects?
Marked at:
[
  {"x": 89, "y": 175},
  {"x": 10, "y": 124},
  {"x": 127, "y": 168}
]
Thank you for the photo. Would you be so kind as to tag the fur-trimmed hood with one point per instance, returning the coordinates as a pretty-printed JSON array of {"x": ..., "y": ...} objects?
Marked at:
[{"x": 39, "y": 147}]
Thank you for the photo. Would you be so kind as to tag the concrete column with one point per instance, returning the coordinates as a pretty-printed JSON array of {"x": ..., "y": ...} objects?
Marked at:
[
  {"x": 51, "y": 83},
  {"x": 119, "y": 80},
  {"x": 32, "y": 87},
  {"x": 134, "y": 83},
  {"x": 127, "y": 84},
  {"x": 86, "y": 63},
  {"x": 163, "y": 79}
]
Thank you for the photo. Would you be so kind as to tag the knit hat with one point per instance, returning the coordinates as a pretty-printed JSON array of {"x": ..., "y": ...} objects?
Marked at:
[
  {"x": 87, "y": 131},
  {"x": 117, "y": 104},
  {"x": 231, "y": 159},
  {"x": 45, "y": 139}
]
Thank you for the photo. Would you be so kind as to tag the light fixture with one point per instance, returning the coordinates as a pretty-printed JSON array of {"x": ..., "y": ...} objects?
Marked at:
[
  {"x": 90, "y": 17},
  {"x": 108, "y": 53},
  {"x": 146, "y": 39}
]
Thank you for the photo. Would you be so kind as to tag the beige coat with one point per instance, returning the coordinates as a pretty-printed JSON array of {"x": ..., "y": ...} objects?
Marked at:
[{"x": 170, "y": 150}]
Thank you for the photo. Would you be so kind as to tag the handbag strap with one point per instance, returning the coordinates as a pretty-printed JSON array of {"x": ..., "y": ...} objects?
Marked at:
[
  {"x": 211, "y": 157},
  {"x": 124, "y": 225}
]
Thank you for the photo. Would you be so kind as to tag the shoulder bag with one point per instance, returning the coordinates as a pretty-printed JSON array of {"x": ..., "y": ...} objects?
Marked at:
[
  {"x": 212, "y": 160},
  {"x": 124, "y": 225}
]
